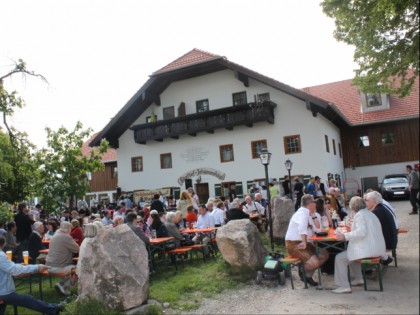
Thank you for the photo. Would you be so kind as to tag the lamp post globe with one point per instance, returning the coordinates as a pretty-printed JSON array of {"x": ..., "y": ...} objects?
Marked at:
[{"x": 289, "y": 165}]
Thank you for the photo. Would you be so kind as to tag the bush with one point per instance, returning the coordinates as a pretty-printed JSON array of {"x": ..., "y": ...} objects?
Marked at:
[
  {"x": 5, "y": 214},
  {"x": 87, "y": 307}
]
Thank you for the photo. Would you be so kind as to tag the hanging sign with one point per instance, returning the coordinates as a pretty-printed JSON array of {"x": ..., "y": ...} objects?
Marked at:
[{"x": 201, "y": 171}]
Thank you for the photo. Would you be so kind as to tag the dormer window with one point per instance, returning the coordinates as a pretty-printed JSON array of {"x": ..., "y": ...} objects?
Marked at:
[{"x": 373, "y": 102}]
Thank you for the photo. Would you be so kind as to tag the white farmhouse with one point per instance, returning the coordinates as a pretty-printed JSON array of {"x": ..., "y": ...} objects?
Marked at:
[{"x": 201, "y": 120}]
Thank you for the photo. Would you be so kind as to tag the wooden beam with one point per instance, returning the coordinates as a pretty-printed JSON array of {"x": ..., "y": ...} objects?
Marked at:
[{"x": 242, "y": 77}]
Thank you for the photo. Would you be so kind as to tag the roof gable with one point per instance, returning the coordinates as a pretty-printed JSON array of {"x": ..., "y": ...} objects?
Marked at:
[
  {"x": 192, "y": 57},
  {"x": 346, "y": 97}
]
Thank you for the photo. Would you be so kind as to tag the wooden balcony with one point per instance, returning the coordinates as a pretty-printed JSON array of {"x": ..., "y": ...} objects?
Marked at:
[{"x": 229, "y": 117}]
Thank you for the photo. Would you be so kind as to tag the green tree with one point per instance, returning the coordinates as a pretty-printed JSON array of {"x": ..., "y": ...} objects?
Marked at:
[
  {"x": 17, "y": 168},
  {"x": 385, "y": 34},
  {"x": 63, "y": 168}
]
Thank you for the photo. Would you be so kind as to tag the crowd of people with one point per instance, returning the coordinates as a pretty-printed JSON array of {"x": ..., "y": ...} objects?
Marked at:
[{"x": 317, "y": 207}]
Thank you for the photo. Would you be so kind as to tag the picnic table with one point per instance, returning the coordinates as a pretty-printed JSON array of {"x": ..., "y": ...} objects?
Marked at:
[
  {"x": 157, "y": 245},
  {"x": 325, "y": 242}
]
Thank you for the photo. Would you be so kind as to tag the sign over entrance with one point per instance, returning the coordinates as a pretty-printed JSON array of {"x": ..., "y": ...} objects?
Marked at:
[{"x": 201, "y": 171}]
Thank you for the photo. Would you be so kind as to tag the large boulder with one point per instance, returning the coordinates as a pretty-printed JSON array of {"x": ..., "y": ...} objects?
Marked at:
[
  {"x": 282, "y": 211},
  {"x": 114, "y": 268},
  {"x": 240, "y": 244}
]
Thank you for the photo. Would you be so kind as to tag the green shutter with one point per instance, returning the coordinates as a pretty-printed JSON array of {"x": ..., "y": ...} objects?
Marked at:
[
  {"x": 218, "y": 190},
  {"x": 239, "y": 190}
]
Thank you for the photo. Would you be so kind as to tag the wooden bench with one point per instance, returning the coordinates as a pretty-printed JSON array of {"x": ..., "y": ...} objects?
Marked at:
[
  {"x": 292, "y": 262},
  {"x": 368, "y": 263},
  {"x": 178, "y": 251},
  {"x": 394, "y": 251},
  {"x": 198, "y": 248},
  {"x": 50, "y": 275},
  {"x": 15, "y": 309}
]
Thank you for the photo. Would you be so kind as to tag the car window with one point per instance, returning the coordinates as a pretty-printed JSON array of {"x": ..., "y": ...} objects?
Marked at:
[{"x": 395, "y": 180}]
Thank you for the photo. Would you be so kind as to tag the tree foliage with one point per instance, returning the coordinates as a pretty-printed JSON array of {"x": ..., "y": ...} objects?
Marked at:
[
  {"x": 63, "y": 168},
  {"x": 17, "y": 169},
  {"x": 385, "y": 34}
]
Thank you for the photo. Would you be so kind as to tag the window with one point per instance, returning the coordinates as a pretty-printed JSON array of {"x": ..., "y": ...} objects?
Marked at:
[
  {"x": 226, "y": 153},
  {"x": 166, "y": 160},
  {"x": 364, "y": 141},
  {"x": 333, "y": 143},
  {"x": 181, "y": 109},
  {"x": 327, "y": 144},
  {"x": 292, "y": 144},
  {"x": 202, "y": 106},
  {"x": 388, "y": 138},
  {"x": 169, "y": 112},
  {"x": 264, "y": 97},
  {"x": 373, "y": 100},
  {"x": 339, "y": 150},
  {"x": 256, "y": 147},
  {"x": 137, "y": 164},
  {"x": 239, "y": 98}
]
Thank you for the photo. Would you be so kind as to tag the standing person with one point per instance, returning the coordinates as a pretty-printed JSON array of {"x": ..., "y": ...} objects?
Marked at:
[
  {"x": 365, "y": 240},
  {"x": 8, "y": 294},
  {"x": 310, "y": 188},
  {"x": 194, "y": 198},
  {"x": 286, "y": 186},
  {"x": 298, "y": 190},
  {"x": 413, "y": 182},
  {"x": 232, "y": 193},
  {"x": 319, "y": 187},
  {"x": 157, "y": 204},
  {"x": 297, "y": 244},
  {"x": 60, "y": 255},
  {"x": 274, "y": 192},
  {"x": 183, "y": 203},
  {"x": 24, "y": 227}
]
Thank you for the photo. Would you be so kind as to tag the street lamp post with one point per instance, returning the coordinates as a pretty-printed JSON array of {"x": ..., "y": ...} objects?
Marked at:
[
  {"x": 265, "y": 157},
  {"x": 289, "y": 165}
]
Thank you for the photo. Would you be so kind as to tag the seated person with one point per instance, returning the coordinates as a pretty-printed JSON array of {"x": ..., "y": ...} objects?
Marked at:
[
  {"x": 172, "y": 228},
  {"x": 157, "y": 225},
  {"x": 11, "y": 242},
  {"x": 76, "y": 232},
  {"x": 389, "y": 231},
  {"x": 60, "y": 255},
  {"x": 235, "y": 212},
  {"x": 297, "y": 244},
  {"x": 191, "y": 216},
  {"x": 8, "y": 294},
  {"x": 365, "y": 240},
  {"x": 52, "y": 226},
  {"x": 35, "y": 242},
  {"x": 337, "y": 203},
  {"x": 131, "y": 217},
  {"x": 205, "y": 220}
]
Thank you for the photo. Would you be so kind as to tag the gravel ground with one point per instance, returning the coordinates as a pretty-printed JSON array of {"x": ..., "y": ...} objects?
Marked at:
[{"x": 400, "y": 295}]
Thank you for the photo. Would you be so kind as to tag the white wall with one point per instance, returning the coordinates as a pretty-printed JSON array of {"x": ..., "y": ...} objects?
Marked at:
[{"x": 291, "y": 117}]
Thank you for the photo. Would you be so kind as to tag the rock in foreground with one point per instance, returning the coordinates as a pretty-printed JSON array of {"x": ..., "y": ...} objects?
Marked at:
[
  {"x": 114, "y": 269},
  {"x": 240, "y": 244}
]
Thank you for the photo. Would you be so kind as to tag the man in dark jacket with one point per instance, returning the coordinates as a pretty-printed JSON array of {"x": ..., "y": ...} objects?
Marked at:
[
  {"x": 132, "y": 224},
  {"x": 24, "y": 226},
  {"x": 374, "y": 203},
  {"x": 157, "y": 204},
  {"x": 35, "y": 241}
]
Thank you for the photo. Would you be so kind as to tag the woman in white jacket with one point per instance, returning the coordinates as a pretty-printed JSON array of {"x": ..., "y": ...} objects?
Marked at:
[{"x": 365, "y": 240}]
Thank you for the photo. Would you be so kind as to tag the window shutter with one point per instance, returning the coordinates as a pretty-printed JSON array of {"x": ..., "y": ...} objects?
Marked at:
[
  {"x": 239, "y": 190},
  {"x": 218, "y": 190}
]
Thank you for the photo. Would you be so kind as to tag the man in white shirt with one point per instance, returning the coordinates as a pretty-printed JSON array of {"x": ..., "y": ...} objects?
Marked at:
[
  {"x": 297, "y": 244},
  {"x": 218, "y": 214},
  {"x": 204, "y": 218},
  {"x": 252, "y": 207}
]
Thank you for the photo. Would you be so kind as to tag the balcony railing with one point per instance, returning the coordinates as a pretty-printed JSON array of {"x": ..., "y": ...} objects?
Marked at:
[{"x": 229, "y": 117}]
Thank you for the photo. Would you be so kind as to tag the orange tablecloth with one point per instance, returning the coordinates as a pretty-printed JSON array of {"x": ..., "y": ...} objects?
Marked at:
[{"x": 207, "y": 230}]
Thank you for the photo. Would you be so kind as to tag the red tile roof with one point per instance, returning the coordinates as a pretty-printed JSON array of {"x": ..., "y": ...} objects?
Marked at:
[
  {"x": 109, "y": 156},
  {"x": 190, "y": 58},
  {"x": 347, "y": 99}
]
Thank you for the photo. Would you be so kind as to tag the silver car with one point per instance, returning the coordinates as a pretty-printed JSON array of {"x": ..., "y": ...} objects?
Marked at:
[{"x": 395, "y": 186}]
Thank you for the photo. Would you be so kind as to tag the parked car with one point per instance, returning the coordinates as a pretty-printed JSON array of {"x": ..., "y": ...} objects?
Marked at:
[{"x": 395, "y": 186}]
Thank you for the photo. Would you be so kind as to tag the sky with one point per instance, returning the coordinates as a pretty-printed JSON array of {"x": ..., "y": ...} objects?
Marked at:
[{"x": 97, "y": 54}]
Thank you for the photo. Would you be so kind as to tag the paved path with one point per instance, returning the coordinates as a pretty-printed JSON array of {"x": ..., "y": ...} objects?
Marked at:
[{"x": 400, "y": 296}]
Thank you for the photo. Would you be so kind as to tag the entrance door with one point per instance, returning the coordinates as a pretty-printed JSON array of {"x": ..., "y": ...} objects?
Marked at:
[{"x": 202, "y": 191}]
